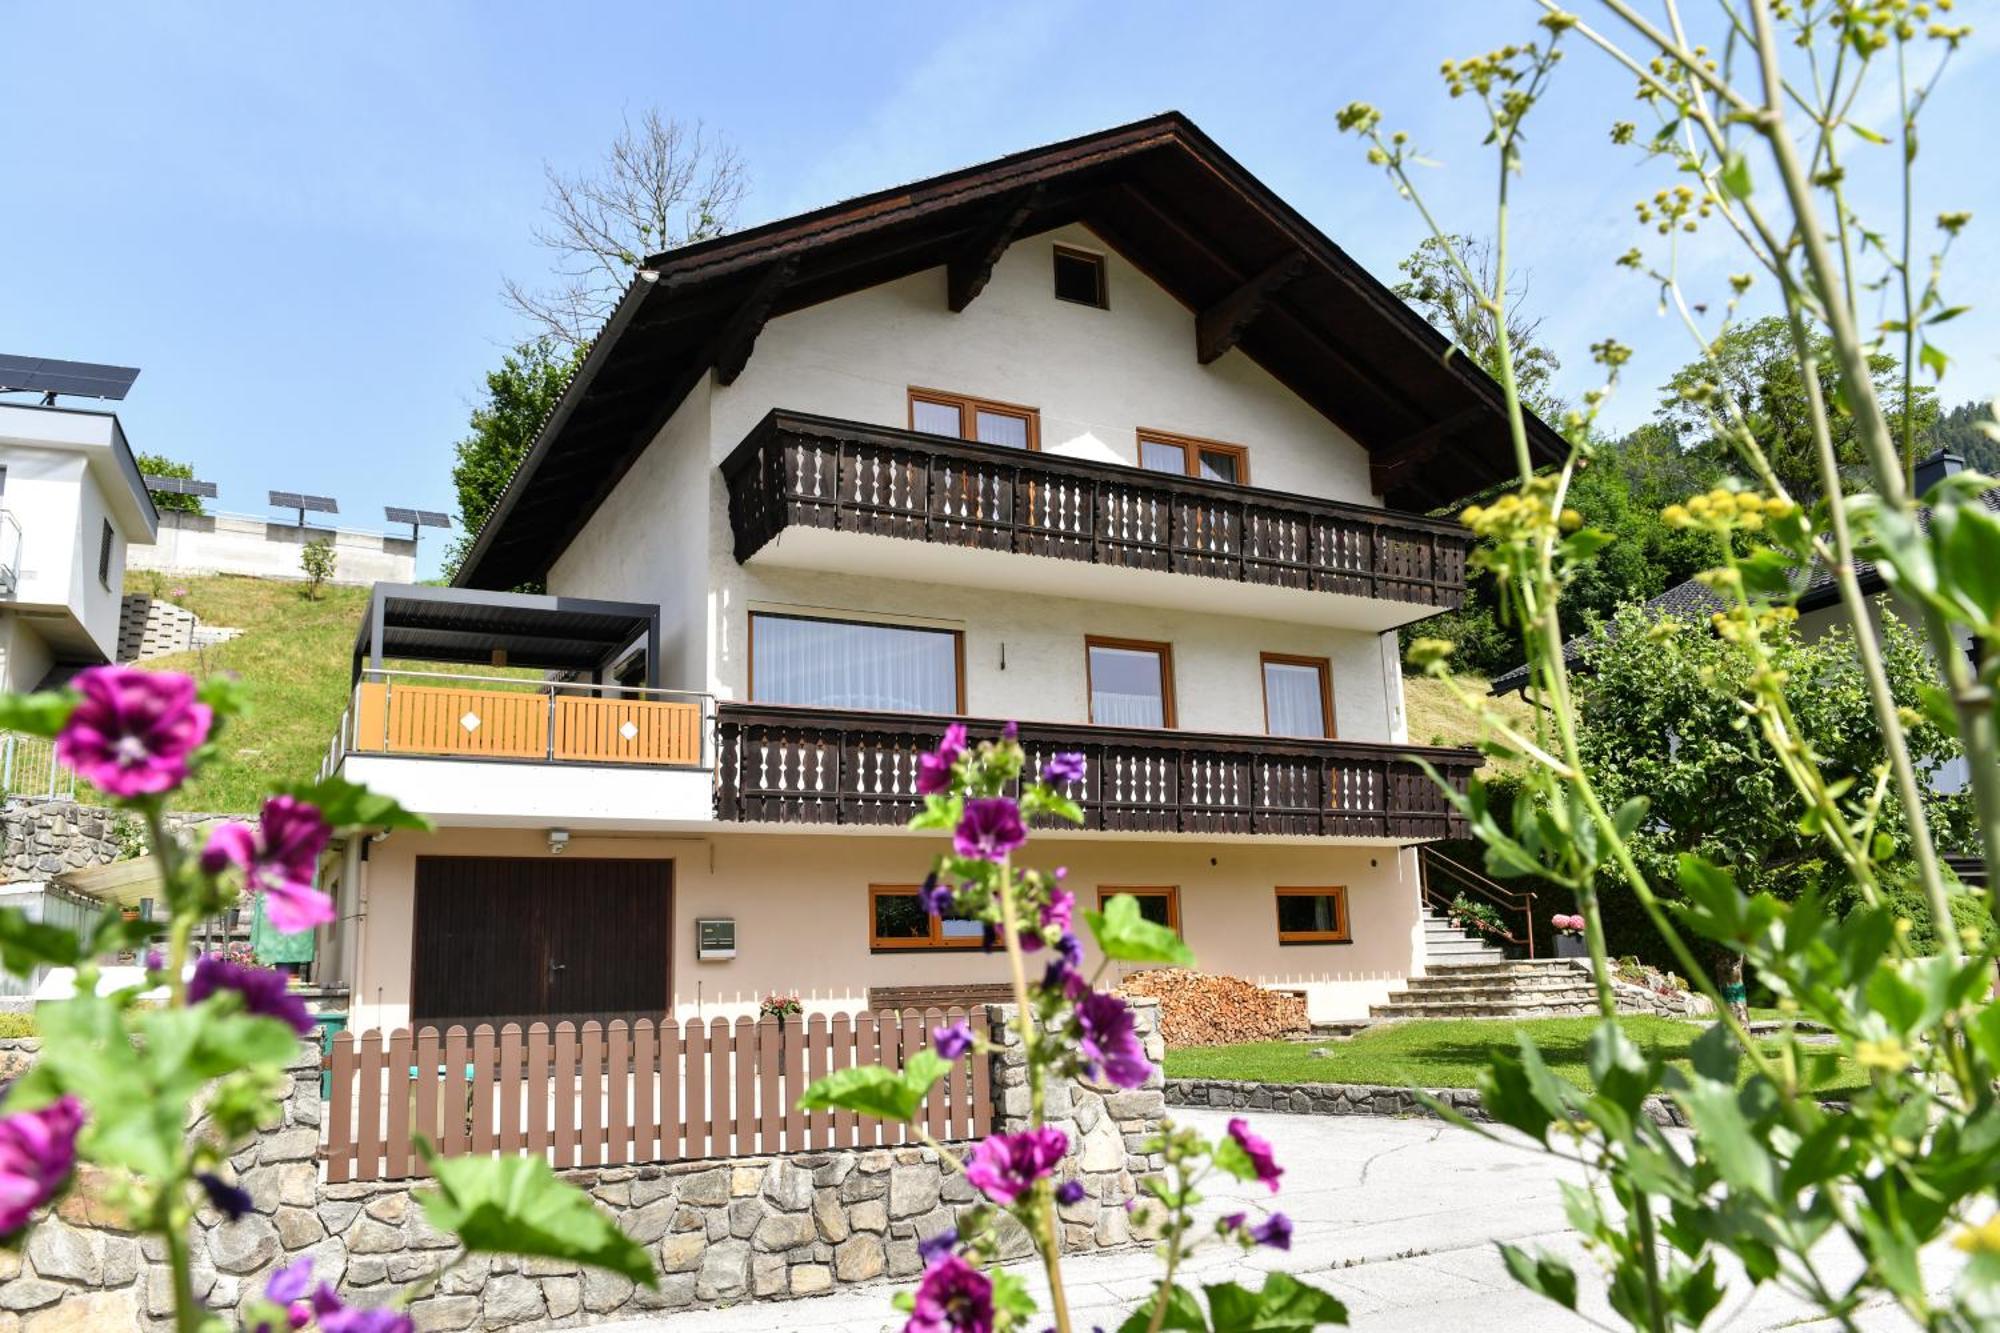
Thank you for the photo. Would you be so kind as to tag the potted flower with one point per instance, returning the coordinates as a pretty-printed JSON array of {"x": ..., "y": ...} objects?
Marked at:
[{"x": 1569, "y": 936}]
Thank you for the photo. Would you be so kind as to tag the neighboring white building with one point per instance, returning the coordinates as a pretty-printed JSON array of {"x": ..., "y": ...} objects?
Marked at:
[
  {"x": 1101, "y": 438},
  {"x": 71, "y": 504},
  {"x": 270, "y": 549}
]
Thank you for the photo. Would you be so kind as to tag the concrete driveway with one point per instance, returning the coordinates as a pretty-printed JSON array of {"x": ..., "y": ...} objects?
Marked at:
[{"x": 1398, "y": 1218}]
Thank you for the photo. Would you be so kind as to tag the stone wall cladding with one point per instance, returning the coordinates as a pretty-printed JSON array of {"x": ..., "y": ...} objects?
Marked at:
[
  {"x": 153, "y": 627},
  {"x": 1347, "y": 1099},
  {"x": 721, "y": 1232},
  {"x": 44, "y": 838}
]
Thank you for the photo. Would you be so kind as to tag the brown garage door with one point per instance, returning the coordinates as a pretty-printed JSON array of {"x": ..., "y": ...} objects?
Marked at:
[{"x": 515, "y": 938}]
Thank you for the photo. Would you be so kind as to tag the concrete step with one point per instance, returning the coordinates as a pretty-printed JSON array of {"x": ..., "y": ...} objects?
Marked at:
[
  {"x": 1447, "y": 979},
  {"x": 1511, "y": 967},
  {"x": 1471, "y": 1009}
]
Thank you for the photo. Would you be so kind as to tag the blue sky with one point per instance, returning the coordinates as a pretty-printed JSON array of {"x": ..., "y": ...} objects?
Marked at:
[{"x": 296, "y": 219}]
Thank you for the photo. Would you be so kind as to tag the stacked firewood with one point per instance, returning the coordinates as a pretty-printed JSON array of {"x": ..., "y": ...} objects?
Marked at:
[{"x": 1201, "y": 1010}]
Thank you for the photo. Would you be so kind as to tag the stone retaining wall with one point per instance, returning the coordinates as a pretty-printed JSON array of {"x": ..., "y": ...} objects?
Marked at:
[
  {"x": 44, "y": 838},
  {"x": 1345, "y": 1099},
  {"x": 720, "y": 1231}
]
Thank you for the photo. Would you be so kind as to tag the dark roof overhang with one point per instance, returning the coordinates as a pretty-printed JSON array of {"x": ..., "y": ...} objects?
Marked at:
[
  {"x": 417, "y": 622},
  {"x": 1258, "y": 275}
]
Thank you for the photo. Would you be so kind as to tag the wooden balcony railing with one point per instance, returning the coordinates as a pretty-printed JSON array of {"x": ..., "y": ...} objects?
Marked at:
[
  {"x": 822, "y": 473},
  {"x": 786, "y": 765},
  {"x": 431, "y": 713}
]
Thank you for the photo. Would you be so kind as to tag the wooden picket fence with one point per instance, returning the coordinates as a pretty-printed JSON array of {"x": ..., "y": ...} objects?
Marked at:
[{"x": 622, "y": 1094}]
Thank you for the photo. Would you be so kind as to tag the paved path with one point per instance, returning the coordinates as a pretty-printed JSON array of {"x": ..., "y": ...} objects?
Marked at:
[{"x": 1398, "y": 1218}]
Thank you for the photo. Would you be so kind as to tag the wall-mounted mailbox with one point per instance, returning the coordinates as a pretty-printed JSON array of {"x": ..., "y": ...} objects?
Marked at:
[{"x": 715, "y": 938}]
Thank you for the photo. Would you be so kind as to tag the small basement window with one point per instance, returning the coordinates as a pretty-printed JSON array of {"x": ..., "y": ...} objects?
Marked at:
[
  {"x": 897, "y": 920},
  {"x": 1080, "y": 277},
  {"x": 1313, "y": 916}
]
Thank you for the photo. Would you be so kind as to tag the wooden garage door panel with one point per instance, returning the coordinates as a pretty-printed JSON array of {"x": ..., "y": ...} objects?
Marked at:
[{"x": 499, "y": 938}]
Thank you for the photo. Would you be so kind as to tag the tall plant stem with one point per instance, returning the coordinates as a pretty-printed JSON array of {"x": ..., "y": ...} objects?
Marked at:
[
  {"x": 1024, "y": 1017},
  {"x": 188, "y": 1314}
]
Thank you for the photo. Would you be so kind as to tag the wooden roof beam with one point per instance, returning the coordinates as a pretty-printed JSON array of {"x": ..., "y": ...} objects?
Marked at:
[
  {"x": 966, "y": 276},
  {"x": 738, "y": 337},
  {"x": 1219, "y": 327},
  {"x": 1389, "y": 467}
]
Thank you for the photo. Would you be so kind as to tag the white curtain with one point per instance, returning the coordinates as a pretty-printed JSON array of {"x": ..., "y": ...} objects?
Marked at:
[
  {"x": 1126, "y": 688},
  {"x": 839, "y": 664},
  {"x": 1292, "y": 697}
]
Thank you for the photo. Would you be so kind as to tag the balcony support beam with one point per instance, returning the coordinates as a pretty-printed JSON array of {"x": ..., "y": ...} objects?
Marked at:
[
  {"x": 967, "y": 275},
  {"x": 739, "y": 336},
  {"x": 1389, "y": 468},
  {"x": 1222, "y": 325}
]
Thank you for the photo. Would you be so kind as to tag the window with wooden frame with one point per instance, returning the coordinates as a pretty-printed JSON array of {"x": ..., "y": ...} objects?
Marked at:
[
  {"x": 1079, "y": 277},
  {"x": 1158, "y": 903},
  {"x": 1130, "y": 682},
  {"x": 897, "y": 920},
  {"x": 818, "y": 662},
  {"x": 1210, "y": 460},
  {"x": 1009, "y": 425},
  {"x": 1298, "y": 696},
  {"x": 1313, "y": 915}
]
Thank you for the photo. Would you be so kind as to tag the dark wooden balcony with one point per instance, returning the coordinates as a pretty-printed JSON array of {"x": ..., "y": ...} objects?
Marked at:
[
  {"x": 782, "y": 765},
  {"x": 796, "y": 470}
]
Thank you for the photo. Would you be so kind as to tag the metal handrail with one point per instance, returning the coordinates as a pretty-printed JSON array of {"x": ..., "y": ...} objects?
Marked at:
[
  {"x": 1464, "y": 878},
  {"x": 347, "y": 741}
]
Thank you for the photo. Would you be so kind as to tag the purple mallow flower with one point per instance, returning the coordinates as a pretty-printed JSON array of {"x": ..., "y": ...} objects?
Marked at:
[
  {"x": 1058, "y": 910},
  {"x": 278, "y": 859},
  {"x": 1070, "y": 1191},
  {"x": 935, "y": 895},
  {"x": 989, "y": 829},
  {"x": 934, "y": 769},
  {"x": 1258, "y": 1150},
  {"x": 952, "y": 1042},
  {"x": 132, "y": 731},
  {"x": 1109, "y": 1040},
  {"x": 37, "y": 1152},
  {"x": 1004, "y": 1166},
  {"x": 262, "y": 988},
  {"x": 232, "y": 1201},
  {"x": 336, "y": 1316},
  {"x": 933, "y": 1248},
  {"x": 954, "y": 1297},
  {"x": 1275, "y": 1231},
  {"x": 1063, "y": 769}
]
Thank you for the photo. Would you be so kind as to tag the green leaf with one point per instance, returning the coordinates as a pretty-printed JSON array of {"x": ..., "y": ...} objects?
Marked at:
[
  {"x": 1630, "y": 815},
  {"x": 1725, "y": 1134},
  {"x": 26, "y": 945},
  {"x": 1124, "y": 935},
  {"x": 1931, "y": 359},
  {"x": 1735, "y": 177},
  {"x": 516, "y": 1206},
  {"x": 1543, "y": 1274},
  {"x": 1183, "y": 1314},
  {"x": 1285, "y": 1305},
  {"x": 351, "y": 805},
  {"x": 36, "y": 714},
  {"x": 876, "y": 1091},
  {"x": 1716, "y": 1055},
  {"x": 1011, "y": 1294},
  {"x": 1617, "y": 1066},
  {"x": 1230, "y": 1157}
]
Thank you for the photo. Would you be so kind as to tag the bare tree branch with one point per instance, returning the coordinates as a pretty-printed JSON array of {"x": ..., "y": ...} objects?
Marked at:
[{"x": 663, "y": 183}]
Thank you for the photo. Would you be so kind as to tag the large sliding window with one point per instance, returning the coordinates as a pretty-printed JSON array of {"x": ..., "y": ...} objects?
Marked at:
[
  {"x": 1131, "y": 682},
  {"x": 852, "y": 664}
]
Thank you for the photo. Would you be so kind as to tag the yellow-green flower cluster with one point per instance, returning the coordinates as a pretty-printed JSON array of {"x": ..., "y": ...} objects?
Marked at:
[
  {"x": 1870, "y": 27},
  {"x": 1740, "y": 624},
  {"x": 1520, "y": 514},
  {"x": 1723, "y": 510},
  {"x": 1678, "y": 206}
]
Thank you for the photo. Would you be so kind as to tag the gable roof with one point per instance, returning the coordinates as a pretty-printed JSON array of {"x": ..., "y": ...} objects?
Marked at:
[{"x": 1259, "y": 275}]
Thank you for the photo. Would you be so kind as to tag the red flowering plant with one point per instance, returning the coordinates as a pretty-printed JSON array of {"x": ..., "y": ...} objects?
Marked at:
[
  {"x": 115, "y": 1076},
  {"x": 1067, "y": 1027}
]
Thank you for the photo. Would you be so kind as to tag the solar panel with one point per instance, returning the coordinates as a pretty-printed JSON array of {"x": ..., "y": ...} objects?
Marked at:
[
  {"x": 42, "y": 374},
  {"x": 319, "y": 504},
  {"x": 423, "y": 518},
  {"x": 179, "y": 486}
]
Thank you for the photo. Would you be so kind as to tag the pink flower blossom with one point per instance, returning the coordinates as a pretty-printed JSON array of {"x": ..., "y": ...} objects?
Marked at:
[
  {"x": 37, "y": 1153},
  {"x": 989, "y": 829},
  {"x": 1258, "y": 1150},
  {"x": 1108, "y": 1037},
  {"x": 261, "y": 988},
  {"x": 336, "y": 1316},
  {"x": 934, "y": 769},
  {"x": 278, "y": 859},
  {"x": 953, "y": 1297},
  {"x": 132, "y": 731},
  {"x": 1004, "y": 1166}
]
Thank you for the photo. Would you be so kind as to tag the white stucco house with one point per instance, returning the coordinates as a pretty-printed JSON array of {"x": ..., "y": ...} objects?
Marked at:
[
  {"x": 1102, "y": 438},
  {"x": 71, "y": 503}
]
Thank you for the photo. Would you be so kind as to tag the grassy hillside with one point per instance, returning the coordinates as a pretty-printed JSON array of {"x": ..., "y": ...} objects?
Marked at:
[
  {"x": 1435, "y": 718},
  {"x": 293, "y": 658}
]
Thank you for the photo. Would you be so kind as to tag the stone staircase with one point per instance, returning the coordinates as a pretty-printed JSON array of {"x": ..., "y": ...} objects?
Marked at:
[
  {"x": 1446, "y": 943},
  {"x": 1466, "y": 977}
]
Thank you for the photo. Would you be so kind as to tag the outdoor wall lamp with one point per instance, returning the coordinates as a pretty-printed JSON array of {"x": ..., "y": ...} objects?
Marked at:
[{"x": 558, "y": 841}]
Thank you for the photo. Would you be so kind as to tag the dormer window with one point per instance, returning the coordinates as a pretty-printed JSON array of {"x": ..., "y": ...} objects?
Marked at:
[{"x": 1080, "y": 277}]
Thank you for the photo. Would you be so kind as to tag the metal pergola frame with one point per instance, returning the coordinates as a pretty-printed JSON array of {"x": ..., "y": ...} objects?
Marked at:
[{"x": 533, "y": 630}]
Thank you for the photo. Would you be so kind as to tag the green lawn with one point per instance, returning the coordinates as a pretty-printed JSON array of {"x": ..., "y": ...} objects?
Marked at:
[
  {"x": 294, "y": 656},
  {"x": 1439, "y": 1053}
]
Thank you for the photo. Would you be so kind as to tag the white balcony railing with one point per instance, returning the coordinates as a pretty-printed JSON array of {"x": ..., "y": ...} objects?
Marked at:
[{"x": 10, "y": 554}]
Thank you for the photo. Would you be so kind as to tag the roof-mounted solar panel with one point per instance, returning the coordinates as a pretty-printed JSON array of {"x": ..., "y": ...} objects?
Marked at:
[
  {"x": 179, "y": 486},
  {"x": 49, "y": 377},
  {"x": 416, "y": 518},
  {"x": 319, "y": 504}
]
